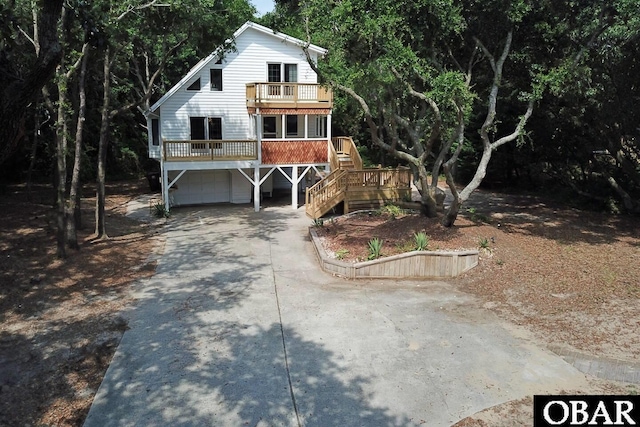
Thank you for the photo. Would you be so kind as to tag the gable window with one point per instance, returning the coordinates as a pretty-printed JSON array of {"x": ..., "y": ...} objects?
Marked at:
[
  {"x": 269, "y": 127},
  {"x": 216, "y": 79},
  {"x": 292, "y": 125},
  {"x": 195, "y": 85}
]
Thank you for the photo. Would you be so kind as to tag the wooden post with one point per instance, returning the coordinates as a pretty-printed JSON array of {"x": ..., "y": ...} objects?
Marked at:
[
  {"x": 256, "y": 188},
  {"x": 165, "y": 185},
  {"x": 294, "y": 187}
]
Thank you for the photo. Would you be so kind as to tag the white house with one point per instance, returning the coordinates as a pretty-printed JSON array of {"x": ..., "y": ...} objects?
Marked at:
[{"x": 242, "y": 122}]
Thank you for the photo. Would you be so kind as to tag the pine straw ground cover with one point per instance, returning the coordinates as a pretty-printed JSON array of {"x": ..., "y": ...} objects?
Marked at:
[
  {"x": 570, "y": 277},
  {"x": 60, "y": 320}
]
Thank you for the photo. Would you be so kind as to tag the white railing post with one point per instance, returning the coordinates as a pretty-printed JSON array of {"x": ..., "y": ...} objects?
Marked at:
[{"x": 294, "y": 187}]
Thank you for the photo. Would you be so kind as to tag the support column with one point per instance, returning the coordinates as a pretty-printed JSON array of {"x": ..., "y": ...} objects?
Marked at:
[
  {"x": 306, "y": 126},
  {"x": 329, "y": 126},
  {"x": 256, "y": 189},
  {"x": 165, "y": 186},
  {"x": 259, "y": 135},
  {"x": 294, "y": 187}
]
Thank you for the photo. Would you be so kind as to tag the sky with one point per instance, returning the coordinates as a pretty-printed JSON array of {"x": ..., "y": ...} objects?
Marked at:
[{"x": 263, "y": 6}]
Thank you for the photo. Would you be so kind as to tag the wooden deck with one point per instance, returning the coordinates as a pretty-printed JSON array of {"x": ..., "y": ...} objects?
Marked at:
[
  {"x": 355, "y": 187},
  {"x": 358, "y": 189},
  {"x": 288, "y": 95},
  {"x": 210, "y": 150}
]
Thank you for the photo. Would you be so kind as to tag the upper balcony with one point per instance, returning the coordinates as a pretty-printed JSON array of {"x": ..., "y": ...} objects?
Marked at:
[{"x": 289, "y": 95}]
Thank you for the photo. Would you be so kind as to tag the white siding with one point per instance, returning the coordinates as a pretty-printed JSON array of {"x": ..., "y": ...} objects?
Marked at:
[
  {"x": 241, "y": 188},
  {"x": 248, "y": 64}
]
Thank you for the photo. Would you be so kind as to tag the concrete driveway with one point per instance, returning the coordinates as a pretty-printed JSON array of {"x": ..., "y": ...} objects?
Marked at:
[{"x": 240, "y": 327}]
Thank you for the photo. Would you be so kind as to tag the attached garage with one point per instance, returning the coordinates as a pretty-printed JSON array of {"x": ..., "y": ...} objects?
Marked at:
[{"x": 198, "y": 187}]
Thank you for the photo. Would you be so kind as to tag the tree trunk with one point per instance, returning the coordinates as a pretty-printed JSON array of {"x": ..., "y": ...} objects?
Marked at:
[
  {"x": 18, "y": 92},
  {"x": 61, "y": 168},
  {"x": 34, "y": 152},
  {"x": 75, "y": 220},
  {"x": 101, "y": 231},
  {"x": 427, "y": 193}
]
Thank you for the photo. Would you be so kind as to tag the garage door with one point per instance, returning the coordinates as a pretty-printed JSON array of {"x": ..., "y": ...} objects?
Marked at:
[{"x": 197, "y": 187}]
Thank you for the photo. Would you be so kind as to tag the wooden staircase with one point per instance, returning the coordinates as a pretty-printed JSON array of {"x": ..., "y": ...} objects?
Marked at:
[{"x": 356, "y": 187}]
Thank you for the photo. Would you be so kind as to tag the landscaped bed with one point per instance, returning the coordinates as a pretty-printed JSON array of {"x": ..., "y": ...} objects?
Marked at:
[
  {"x": 348, "y": 238},
  {"x": 345, "y": 247}
]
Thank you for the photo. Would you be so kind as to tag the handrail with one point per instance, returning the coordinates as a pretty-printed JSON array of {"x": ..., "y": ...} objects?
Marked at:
[
  {"x": 326, "y": 191},
  {"x": 210, "y": 150},
  {"x": 340, "y": 184},
  {"x": 345, "y": 145},
  {"x": 334, "y": 162},
  {"x": 258, "y": 92}
]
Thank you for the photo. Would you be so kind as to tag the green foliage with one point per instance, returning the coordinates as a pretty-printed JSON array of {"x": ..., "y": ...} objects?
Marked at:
[
  {"x": 477, "y": 217},
  {"x": 160, "y": 211},
  {"x": 375, "y": 248},
  {"x": 406, "y": 246},
  {"x": 392, "y": 210},
  {"x": 318, "y": 223},
  {"x": 421, "y": 240},
  {"x": 483, "y": 243},
  {"x": 342, "y": 253}
]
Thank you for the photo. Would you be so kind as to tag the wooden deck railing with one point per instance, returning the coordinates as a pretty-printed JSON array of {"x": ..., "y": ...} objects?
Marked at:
[
  {"x": 210, "y": 150},
  {"x": 325, "y": 194},
  {"x": 357, "y": 186},
  {"x": 334, "y": 161},
  {"x": 344, "y": 145},
  {"x": 285, "y": 92}
]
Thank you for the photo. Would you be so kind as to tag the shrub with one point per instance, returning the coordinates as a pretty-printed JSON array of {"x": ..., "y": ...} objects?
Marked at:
[
  {"x": 318, "y": 222},
  {"x": 391, "y": 210},
  {"x": 422, "y": 241},
  {"x": 375, "y": 248},
  {"x": 483, "y": 243},
  {"x": 159, "y": 210}
]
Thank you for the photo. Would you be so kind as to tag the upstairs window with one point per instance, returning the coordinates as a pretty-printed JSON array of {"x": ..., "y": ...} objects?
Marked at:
[
  {"x": 216, "y": 79},
  {"x": 291, "y": 73},
  {"x": 273, "y": 73},
  {"x": 195, "y": 85}
]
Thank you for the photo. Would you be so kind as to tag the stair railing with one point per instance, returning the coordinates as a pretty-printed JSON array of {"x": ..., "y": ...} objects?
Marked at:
[{"x": 325, "y": 194}]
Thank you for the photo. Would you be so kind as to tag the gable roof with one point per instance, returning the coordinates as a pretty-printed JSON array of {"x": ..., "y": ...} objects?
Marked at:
[{"x": 204, "y": 61}]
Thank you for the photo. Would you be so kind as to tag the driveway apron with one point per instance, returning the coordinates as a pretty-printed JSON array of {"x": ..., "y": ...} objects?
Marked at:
[{"x": 239, "y": 326}]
